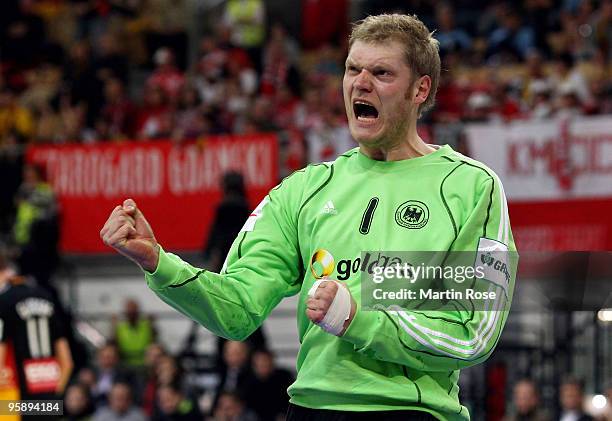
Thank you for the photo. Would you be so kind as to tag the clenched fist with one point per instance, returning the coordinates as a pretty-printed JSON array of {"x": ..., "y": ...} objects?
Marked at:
[
  {"x": 331, "y": 306},
  {"x": 128, "y": 232}
]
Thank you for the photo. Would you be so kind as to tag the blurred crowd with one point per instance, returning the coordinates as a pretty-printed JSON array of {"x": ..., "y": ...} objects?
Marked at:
[
  {"x": 574, "y": 405},
  {"x": 132, "y": 377},
  {"x": 92, "y": 71}
]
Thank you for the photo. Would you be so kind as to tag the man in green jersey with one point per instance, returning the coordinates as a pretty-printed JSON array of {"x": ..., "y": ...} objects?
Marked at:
[{"x": 394, "y": 192}]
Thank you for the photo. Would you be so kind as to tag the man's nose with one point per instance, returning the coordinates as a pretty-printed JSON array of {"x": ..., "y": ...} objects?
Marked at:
[{"x": 363, "y": 81}]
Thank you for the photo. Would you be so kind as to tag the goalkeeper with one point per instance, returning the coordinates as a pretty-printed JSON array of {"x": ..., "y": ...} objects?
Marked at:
[{"x": 393, "y": 192}]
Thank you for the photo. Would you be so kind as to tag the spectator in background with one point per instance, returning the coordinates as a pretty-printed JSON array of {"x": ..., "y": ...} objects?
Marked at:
[
  {"x": 111, "y": 61},
  {"x": 571, "y": 399},
  {"x": 118, "y": 111},
  {"x": 542, "y": 17},
  {"x": 450, "y": 98},
  {"x": 512, "y": 40},
  {"x": 231, "y": 407},
  {"x": 236, "y": 105},
  {"x": 44, "y": 84},
  {"x": 120, "y": 406},
  {"x": 208, "y": 72},
  {"x": 244, "y": 74},
  {"x": 167, "y": 27},
  {"x": 108, "y": 372},
  {"x": 169, "y": 372},
  {"x": 36, "y": 228},
  {"x": 262, "y": 115},
  {"x": 21, "y": 305},
  {"x": 189, "y": 119},
  {"x": 78, "y": 405},
  {"x": 489, "y": 18},
  {"x": 479, "y": 108},
  {"x": 166, "y": 75},
  {"x": 133, "y": 334},
  {"x": 568, "y": 78},
  {"x": 566, "y": 102},
  {"x": 153, "y": 356},
  {"x": 451, "y": 38},
  {"x": 323, "y": 22},
  {"x": 541, "y": 106},
  {"x": 86, "y": 377},
  {"x": 507, "y": 102},
  {"x": 154, "y": 117},
  {"x": 246, "y": 20},
  {"x": 536, "y": 76},
  {"x": 328, "y": 62},
  {"x": 308, "y": 115},
  {"x": 286, "y": 105},
  {"x": 174, "y": 406},
  {"x": 330, "y": 140},
  {"x": 526, "y": 399},
  {"x": 267, "y": 393},
  {"x": 236, "y": 375},
  {"x": 14, "y": 117},
  {"x": 81, "y": 81},
  {"x": 48, "y": 124},
  {"x": 72, "y": 117},
  {"x": 279, "y": 69},
  {"x": 230, "y": 215}
]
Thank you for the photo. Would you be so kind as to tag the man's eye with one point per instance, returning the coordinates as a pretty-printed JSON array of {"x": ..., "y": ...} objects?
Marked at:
[
  {"x": 382, "y": 73},
  {"x": 353, "y": 69}
]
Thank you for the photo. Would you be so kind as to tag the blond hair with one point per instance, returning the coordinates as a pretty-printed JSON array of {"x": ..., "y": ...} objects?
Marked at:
[{"x": 420, "y": 47}]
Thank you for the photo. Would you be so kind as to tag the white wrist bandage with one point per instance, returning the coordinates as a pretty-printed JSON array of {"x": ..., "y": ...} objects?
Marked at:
[{"x": 338, "y": 312}]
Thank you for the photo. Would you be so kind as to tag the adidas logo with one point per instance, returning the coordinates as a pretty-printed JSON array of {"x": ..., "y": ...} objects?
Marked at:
[{"x": 329, "y": 208}]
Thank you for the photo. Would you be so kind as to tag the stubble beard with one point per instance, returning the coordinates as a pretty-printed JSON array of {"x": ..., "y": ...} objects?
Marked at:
[{"x": 396, "y": 133}]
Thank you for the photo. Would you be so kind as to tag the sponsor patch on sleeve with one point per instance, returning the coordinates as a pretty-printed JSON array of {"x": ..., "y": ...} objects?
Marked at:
[{"x": 492, "y": 258}]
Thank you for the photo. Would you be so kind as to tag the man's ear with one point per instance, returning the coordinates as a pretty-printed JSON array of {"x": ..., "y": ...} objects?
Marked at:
[{"x": 421, "y": 89}]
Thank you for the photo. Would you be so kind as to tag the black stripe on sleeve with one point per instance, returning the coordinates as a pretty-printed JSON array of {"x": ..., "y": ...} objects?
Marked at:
[{"x": 193, "y": 278}]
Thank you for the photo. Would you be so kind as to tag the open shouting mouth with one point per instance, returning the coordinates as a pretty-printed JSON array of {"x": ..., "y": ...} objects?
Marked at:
[{"x": 364, "y": 111}]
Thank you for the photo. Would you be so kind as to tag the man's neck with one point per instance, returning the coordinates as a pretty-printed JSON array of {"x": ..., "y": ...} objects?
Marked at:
[{"x": 413, "y": 147}]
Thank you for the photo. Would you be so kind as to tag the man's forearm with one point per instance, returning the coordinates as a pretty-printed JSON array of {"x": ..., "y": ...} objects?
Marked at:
[{"x": 64, "y": 359}]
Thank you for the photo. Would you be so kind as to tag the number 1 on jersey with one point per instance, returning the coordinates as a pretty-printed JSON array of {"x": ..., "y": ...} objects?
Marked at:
[{"x": 366, "y": 220}]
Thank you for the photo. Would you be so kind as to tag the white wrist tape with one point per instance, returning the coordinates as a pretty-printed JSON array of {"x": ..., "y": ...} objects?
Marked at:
[{"x": 338, "y": 312}]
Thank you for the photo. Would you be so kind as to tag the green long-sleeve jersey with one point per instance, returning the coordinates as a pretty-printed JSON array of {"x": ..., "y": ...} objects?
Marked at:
[{"x": 385, "y": 360}]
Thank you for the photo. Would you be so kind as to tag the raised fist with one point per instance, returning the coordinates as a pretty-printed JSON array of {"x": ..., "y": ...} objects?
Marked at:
[
  {"x": 128, "y": 232},
  {"x": 331, "y": 306}
]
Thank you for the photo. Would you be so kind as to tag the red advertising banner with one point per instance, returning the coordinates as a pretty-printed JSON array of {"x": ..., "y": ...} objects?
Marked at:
[
  {"x": 557, "y": 175},
  {"x": 176, "y": 187}
]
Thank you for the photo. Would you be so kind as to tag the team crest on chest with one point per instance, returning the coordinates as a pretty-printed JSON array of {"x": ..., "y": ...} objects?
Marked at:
[{"x": 412, "y": 214}]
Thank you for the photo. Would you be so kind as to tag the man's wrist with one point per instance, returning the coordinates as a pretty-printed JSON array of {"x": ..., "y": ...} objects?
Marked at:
[{"x": 150, "y": 265}]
